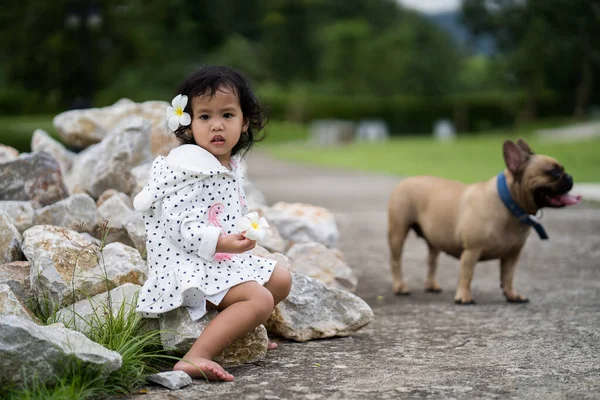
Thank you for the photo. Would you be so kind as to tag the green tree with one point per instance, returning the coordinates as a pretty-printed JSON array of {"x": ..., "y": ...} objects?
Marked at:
[
  {"x": 574, "y": 29},
  {"x": 64, "y": 58},
  {"x": 340, "y": 45},
  {"x": 542, "y": 40}
]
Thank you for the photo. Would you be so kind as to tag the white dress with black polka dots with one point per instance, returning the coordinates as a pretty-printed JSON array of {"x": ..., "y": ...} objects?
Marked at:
[{"x": 189, "y": 201}]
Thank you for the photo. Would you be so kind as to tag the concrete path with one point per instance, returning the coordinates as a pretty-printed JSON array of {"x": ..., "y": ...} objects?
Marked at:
[
  {"x": 573, "y": 132},
  {"x": 423, "y": 345}
]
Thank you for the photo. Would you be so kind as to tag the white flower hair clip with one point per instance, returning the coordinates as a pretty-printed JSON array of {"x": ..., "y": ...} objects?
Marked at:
[
  {"x": 254, "y": 228},
  {"x": 175, "y": 114}
]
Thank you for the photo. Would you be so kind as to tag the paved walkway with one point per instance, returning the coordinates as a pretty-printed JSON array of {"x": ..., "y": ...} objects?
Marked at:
[
  {"x": 423, "y": 345},
  {"x": 589, "y": 191}
]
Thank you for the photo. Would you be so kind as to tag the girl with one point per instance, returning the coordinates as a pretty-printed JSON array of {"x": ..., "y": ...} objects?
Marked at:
[{"x": 191, "y": 206}]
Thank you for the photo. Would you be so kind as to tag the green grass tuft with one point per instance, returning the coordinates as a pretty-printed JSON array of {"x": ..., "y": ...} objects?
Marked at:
[{"x": 119, "y": 329}]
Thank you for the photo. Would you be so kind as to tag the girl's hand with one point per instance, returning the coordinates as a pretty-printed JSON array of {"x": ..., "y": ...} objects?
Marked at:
[{"x": 235, "y": 243}]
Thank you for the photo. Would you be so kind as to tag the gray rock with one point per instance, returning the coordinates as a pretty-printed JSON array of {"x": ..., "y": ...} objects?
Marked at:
[
  {"x": 112, "y": 192},
  {"x": 117, "y": 213},
  {"x": 34, "y": 176},
  {"x": 370, "y": 130},
  {"x": 21, "y": 213},
  {"x": 331, "y": 132},
  {"x": 323, "y": 264},
  {"x": 77, "y": 212},
  {"x": 314, "y": 311},
  {"x": 41, "y": 141},
  {"x": 179, "y": 332},
  {"x": 78, "y": 316},
  {"x": 273, "y": 240},
  {"x": 260, "y": 251},
  {"x": 108, "y": 164},
  {"x": 68, "y": 266},
  {"x": 254, "y": 197},
  {"x": 300, "y": 223},
  {"x": 16, "y": 275},
  {"x": 11, "y": 304},
  {"x": 140, "y": 176},
  {"x": 136, "y": 230},
  {"x": 82, "y": 128},
  {"x": 28, "y": 350},
  {"x": 171, "y": 379},
  {"x": 10, "y": 241}
]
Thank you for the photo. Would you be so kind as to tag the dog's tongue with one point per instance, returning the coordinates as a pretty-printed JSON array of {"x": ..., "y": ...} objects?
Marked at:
[{"x": 566, "y": 200}]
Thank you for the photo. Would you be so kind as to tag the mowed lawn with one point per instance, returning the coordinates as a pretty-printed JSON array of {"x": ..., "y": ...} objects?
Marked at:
[
  {"x": 17, "y": 131},
  {"x": 469, "y": 158}
]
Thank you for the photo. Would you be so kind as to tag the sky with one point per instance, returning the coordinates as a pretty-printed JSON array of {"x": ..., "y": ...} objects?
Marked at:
[{"x": 431, "y": 6}]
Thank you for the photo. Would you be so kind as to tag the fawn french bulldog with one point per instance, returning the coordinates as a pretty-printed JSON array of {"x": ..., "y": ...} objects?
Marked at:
[{"x": 478, "y": 222}]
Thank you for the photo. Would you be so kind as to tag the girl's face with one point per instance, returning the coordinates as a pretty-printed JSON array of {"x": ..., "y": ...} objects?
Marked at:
[{"x": 218, "y": 123}]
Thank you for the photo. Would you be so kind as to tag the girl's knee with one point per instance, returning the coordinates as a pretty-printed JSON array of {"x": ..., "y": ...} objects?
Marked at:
[
  {"x": 282, "y": 280},
  {"x": 263, "y": 303},
  {"x": 286, "y": 281}
]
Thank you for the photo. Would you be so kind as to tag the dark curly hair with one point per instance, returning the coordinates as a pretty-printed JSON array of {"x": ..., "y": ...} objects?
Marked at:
[{"x": 205, "y": 82}]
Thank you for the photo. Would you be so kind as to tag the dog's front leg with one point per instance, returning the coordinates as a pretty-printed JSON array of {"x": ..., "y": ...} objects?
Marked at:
[
  {"x": 507, "y": 273},
  {"x": 468, "y": 259}
]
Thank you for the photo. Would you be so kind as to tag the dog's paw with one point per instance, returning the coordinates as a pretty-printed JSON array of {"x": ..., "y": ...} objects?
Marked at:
[
  {"x": 464, "y": 299},
  {"x": 432, "y": 287},
  {"x": 401, "y": 289},
  {"x": 515, "y": 298}
]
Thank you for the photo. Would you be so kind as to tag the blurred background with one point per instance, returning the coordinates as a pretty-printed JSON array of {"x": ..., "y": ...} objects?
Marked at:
[{"x": 392, "y": 85}]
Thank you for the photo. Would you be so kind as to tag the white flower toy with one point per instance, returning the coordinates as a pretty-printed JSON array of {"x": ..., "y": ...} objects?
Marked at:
[
  {"x": 254, "y": 228},
  {"x": 175, "y": 115}
]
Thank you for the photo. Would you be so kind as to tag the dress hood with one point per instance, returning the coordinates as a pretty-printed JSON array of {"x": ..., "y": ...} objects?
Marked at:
[{"x": 185, "y": 165}]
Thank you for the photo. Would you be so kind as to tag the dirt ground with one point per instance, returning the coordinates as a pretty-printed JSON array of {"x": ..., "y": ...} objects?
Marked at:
[{"x": 423, "y": 345}]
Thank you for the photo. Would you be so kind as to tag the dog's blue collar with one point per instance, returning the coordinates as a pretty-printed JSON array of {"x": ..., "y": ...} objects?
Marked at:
[{"x": 517, "y": 211}]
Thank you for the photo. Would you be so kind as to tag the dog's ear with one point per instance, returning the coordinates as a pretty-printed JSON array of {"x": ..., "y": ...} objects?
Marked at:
[
  {"x": 525, "y": 146},
  {"x": 514, "y": 156}
]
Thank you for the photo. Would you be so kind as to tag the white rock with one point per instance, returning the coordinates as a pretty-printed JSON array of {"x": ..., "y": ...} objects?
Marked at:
[
  {"x": 140, "y": 176},
  {"x": 136, "y": 230},
  {"x": 260, "y": 251},
  {"x": 299, "y": 223},
  {"x": 254, "y": 197},
  {"x": 11, "y": 304},
  {"x": 324, "y": 264},
  {"x": 112, "y": 192},
  {"x": 314, "y": 311},
  {"x": 20, "y": 213},
  {"x": 68, "y": 266},
  {"x": 116, "y": 211},
  {"x": 10, "y": 240},
  {"x": 171, "y": 379},
  {"x": 28, "y": 350},
  {"x": 82, "y": 128},
  {"x": 8, "y": 153}
]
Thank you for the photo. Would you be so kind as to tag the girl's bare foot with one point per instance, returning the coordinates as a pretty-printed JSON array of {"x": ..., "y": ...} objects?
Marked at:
[
  {"x": 272, "y": 345},
  {"x": 195, "y": 367}
]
